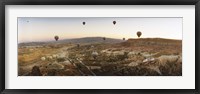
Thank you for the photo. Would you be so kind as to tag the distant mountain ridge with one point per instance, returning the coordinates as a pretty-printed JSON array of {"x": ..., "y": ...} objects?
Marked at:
[
  {"x": 150, "y": 42},
  {"x": 157, "y": 40},
  {"x": 91, "y": 40},
  {"x": 85, "y": 40}
]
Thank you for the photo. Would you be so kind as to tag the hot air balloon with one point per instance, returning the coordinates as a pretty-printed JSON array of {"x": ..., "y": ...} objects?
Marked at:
[
  {"x": 114, "y": 22},
  {"x": 104, "y": 38},
  {"x": 83, "y": 23},
  {"x": 56, "y": 38},
  {"x": 139, "y": 34},
  {"x": 123, "y": 38}
]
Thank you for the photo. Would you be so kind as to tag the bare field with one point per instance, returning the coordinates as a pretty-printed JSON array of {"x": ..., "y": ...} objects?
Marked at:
[{"x": 132, "y": 57}]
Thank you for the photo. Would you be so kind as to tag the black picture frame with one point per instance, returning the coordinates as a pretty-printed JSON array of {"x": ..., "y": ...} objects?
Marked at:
[{"x": 3, "y": 3}]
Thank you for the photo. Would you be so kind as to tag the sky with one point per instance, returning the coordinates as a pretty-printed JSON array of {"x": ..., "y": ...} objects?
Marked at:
[{"x": 40, "y": 29}]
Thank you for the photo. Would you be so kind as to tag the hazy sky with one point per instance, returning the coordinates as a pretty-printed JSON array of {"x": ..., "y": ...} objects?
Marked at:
[{"x": 32, "y": 29}]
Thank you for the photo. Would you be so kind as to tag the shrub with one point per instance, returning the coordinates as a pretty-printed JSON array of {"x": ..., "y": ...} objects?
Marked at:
[{"x": 60, "y": 59}]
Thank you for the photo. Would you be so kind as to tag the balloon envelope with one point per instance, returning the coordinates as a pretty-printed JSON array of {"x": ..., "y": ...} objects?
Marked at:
[
  {"x": 56, "y": 38},
  {"x": 139, "y": 33},
  {"x": 83, "y": 23},
  {"x": 104, "y": 38},
  {"x": 114, "y": 22}
]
